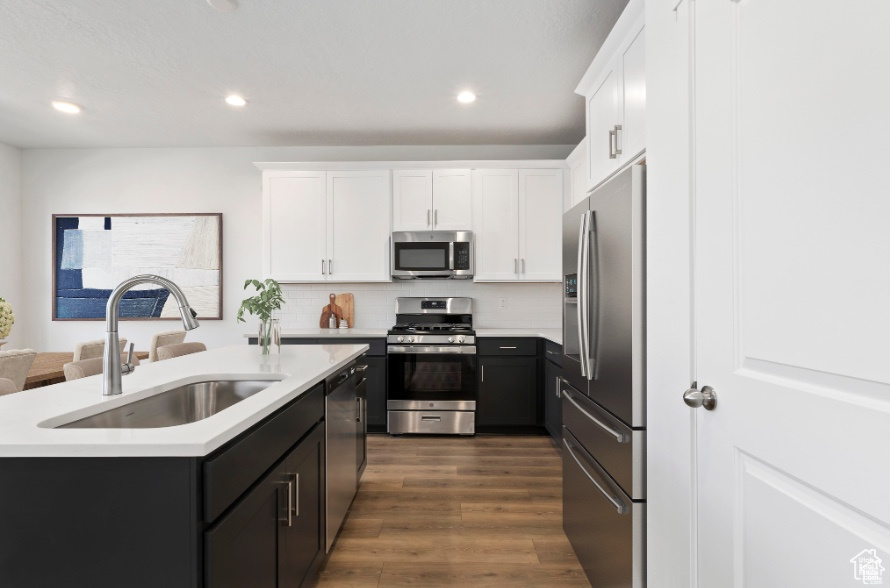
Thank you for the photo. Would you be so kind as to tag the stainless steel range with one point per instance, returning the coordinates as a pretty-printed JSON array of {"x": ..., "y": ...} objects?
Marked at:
[{"x": 431, "y": 361}]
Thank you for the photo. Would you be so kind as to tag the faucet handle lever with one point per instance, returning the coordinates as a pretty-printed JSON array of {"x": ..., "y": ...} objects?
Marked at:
[
  {"x": 129, "y": 368},
  {"x": 130, "y": 353}
]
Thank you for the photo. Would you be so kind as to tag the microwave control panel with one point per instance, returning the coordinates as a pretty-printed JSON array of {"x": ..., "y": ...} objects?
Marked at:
[
  {"x": 571, "y": 287},
  {"x": 462, "y": 256}
]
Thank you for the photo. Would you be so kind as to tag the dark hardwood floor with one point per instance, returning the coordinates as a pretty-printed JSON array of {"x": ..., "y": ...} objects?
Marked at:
[{"x": 456, "y": 511}]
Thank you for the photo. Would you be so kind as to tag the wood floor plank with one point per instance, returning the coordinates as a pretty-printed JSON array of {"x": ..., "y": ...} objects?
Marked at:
[
  {"x": 455, "y": 511},
  {"x": 481, "y": 574}
]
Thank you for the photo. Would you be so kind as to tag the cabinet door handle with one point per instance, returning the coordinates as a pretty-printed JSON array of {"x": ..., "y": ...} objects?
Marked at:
[
  {"x": 358, "y": 410},
  {"x": 289, "y": 519},
  {"x": 515, "y": 265},
  {"x": 483, "y": 373},
  {"x": 322, "y": 268},
  {"x": 330, "y": 267},
  {"x": 436, "y": 218},
  {"x": 523, "y": 265},
  {"x": 428, "y": 217},
  {"x": 296, "y": 504},
  {"x": 617, "y": 142},
  {"x": 612, "y": 154},
  {"x": 557, "y": 386}
]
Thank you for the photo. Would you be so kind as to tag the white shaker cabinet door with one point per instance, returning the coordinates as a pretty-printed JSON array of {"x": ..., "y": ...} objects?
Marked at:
[
  {"x": 495, "y": 219},
  {"x": 602, "y": 116},
  {"x": 452, "y": 200},
  {"x": 540, "y": 224},
  {"x": 412, "y": 200},
  {"x": 294, "y": 226},
  {"x": 358, "y": 223},
  {"x": 632, "y": 137}
]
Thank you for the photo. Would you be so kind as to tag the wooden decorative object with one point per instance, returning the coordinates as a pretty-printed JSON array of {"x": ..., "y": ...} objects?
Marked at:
[
  {"x": 327, "y": 311},
  {"x": 346, "y": 302}
]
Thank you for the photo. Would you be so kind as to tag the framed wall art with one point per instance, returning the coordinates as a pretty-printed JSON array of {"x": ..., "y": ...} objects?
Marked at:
[{"x": 93, "y": 253}]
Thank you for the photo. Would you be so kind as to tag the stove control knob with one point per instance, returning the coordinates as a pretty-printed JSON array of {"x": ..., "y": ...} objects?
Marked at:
[
  {"x": 460, "y": 339},
  {"x": 400, "y": 339},
  {"x": 451, "y": 340},
  {"x": 410, "y": 339}
]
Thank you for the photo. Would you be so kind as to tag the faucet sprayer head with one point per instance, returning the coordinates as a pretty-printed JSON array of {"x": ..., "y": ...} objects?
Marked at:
[{"x": 189, "y": 318}]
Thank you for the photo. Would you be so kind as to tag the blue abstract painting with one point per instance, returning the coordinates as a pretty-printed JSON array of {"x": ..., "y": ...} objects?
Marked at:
[{"x": 94, "y": 253}]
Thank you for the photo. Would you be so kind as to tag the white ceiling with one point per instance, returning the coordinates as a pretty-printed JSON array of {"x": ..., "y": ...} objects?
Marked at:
[{"x": 153, "y": 73}]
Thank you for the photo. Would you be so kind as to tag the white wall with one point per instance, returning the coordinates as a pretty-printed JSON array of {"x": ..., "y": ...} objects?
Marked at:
[
  {"x": 10, "y": 241},
  {"x": 78, "y": 181}
]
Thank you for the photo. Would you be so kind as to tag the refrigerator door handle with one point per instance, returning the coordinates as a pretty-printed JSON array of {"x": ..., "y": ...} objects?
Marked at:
[
  {"x": 594, "y": 298},
  {"x": 600, "y": 484},
  {"x": 582, "y": 294}
]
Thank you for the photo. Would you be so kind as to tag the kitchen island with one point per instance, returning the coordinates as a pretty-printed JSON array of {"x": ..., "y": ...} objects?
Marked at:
[{"x": 233, "y": 499}]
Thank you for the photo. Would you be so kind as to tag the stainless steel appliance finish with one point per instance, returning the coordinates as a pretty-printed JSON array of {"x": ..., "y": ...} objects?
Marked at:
[
  {"x": 341, "y": 477},
  {"x": 432, "y": 254},
  {"x": 604, "y": 387},
  {"x": 179, "y": 406},
  {"x": 431, "y": 359}
]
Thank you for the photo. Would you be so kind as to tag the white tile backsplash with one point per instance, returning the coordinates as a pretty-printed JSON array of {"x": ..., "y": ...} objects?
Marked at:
[{"x": 531, "y": 305}]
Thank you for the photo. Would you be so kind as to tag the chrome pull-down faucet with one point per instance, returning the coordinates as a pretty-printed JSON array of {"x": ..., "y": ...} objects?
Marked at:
[{"x": 111, "y": 359}]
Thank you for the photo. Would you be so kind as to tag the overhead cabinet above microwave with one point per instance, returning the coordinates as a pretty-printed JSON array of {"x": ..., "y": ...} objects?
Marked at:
[
  {"x": 426, "y": 200},
  {"x": 322, "y": 226}
]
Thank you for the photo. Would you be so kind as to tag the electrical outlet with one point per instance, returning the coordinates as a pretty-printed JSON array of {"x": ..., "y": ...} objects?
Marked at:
[{"x": 502, "y": 303}]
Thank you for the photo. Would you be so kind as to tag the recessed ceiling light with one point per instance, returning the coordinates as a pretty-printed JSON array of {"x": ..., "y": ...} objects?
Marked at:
[
  {"x": 235, "y": 100},
  {"x": 66, "y": 107},
  {"x": 466, "y": 97}
]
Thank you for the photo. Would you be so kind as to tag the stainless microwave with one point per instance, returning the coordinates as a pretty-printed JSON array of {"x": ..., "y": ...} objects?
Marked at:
[{"x": 432, "y": 254}]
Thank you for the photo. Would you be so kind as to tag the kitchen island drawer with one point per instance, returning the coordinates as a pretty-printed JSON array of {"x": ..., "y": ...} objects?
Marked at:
[
  {"x": 508, "y": 346},
  {"x": 235, "y": 467}
]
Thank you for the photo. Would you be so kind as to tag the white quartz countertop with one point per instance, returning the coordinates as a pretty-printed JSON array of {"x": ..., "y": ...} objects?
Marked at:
[
  {"x": 554, "y": 335},
  {"x": 328, "y": 333},
  {"x": 27, "y": 418}
]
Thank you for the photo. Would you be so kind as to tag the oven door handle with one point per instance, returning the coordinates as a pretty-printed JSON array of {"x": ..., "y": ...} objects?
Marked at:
[{"x": 429, "y": 349}]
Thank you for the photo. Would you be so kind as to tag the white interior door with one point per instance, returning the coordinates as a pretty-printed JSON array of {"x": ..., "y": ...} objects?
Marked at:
[
  {"x": 412, "y": 200},
  {"x": 540, "y": 224},
  {"x": 359, "y": 226},
  {"x": 294, "y": 225},
  {"x": 791, "y": 292},
  {"x": 452, "y": 200}
]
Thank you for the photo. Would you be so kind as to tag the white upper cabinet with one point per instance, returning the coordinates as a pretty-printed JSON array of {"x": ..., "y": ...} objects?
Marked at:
[
  {"x": 294, "y": 212},
  {"x": 439, "y": 199},
  {"x": 326, "y": 226},
  {"x": 615, "y": 91},
  {"x": 358, "y": 226},
  {"x": 540, "y": 224},
  {"x": 518, "y": 223},
  {"x": 577, "y": 162}
]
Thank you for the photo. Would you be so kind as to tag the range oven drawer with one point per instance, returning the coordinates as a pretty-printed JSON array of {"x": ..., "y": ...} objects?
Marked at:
[
  {"x": 618, "y": 448},
  {"x": 433, "y": 422},
  {"x": 606, "y": 528}
]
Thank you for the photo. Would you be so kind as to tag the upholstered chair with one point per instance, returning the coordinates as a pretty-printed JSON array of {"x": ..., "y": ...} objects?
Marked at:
[
  {"x": 177, "y": 349},
  {"x": 91, "y": 349},
  {"x": 88, "y": 367},
  {"x": 7, "y": 386},
  {"x": 161, "y": 339},
  {"x": 14, "y": 365}
]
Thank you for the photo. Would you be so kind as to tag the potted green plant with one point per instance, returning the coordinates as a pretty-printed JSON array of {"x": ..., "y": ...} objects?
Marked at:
[{"x": 267, "y": 300}]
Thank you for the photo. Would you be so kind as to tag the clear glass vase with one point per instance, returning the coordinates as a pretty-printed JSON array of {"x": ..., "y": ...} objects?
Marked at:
[{"x": 270, "y": 337}]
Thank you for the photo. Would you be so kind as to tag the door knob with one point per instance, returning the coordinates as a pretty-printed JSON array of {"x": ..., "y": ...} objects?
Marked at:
[{"x": 706, "y": 397}]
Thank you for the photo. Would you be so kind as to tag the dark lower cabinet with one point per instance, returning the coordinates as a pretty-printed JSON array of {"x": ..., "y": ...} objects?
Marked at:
[
  {"x": 508, "y": 395},
  {"x": 552, "y": 401}
]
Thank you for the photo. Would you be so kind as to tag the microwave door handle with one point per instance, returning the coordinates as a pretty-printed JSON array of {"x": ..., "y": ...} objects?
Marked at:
[
  {"x": 582, "y": 293},
  {"x": 451, "y": 255}
]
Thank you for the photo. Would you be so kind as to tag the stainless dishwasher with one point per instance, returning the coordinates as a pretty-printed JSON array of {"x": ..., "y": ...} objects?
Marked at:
[{"x": 341, "y": 478}]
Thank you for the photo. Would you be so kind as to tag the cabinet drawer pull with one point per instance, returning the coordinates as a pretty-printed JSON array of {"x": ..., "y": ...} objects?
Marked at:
[
  {"x": 508, "y": 347},
  {"x": 430, "y": 418}
]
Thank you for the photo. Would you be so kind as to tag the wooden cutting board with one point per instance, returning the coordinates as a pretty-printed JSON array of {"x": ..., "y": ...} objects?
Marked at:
[
  {"x": 347, "y": 307},
  {"x": 328, "y": 311}
]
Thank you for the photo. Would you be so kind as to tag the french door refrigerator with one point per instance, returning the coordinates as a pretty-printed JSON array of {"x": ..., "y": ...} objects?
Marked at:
[{"x": 604, "y": 390}]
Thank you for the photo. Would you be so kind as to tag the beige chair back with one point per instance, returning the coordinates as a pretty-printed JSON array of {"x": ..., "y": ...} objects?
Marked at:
[
  {"x": 95, "y": 348},
  {"x": 161, "y": 339},
  {"x": 88, "y": 367},
  {"x": 7, "y": 386},
  {"x": 14, "y": 365},
  {"x": 171, "y": 351}
]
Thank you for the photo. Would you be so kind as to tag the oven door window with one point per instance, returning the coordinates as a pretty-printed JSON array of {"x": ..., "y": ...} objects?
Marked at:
[
  {"x": 421, "y": 257},
  {"x": 432, "y": 377}
]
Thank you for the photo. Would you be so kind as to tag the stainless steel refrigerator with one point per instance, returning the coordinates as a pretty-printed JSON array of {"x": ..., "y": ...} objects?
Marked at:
[{"x": 604, "y": 386}]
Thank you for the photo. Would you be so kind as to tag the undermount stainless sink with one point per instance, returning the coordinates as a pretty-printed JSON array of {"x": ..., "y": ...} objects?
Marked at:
[{"x": 179, "y": 406}]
